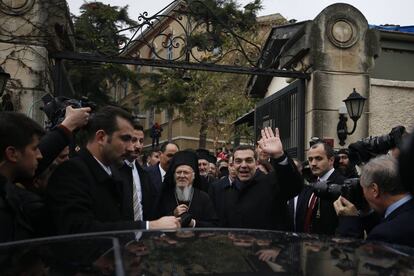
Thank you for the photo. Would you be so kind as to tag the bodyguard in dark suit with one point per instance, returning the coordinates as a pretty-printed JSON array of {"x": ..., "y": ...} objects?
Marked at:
[
  {"x": 389, "y": 197},
  {"x": 157, "y": 172},
  {"x": 137, "y": 181},
  {"x": 85, "y": 193},
  {"x": 256, "y": 200},
  {"x": 313, "y": 214}
]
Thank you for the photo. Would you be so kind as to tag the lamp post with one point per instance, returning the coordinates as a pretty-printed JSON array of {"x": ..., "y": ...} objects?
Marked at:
[
  {"x": 4, "y": 77},
  {"x": 354, "y": 106}
]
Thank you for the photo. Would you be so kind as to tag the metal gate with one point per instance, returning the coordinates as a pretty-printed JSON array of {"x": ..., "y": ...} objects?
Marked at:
[{"x": 285, "y": 110}]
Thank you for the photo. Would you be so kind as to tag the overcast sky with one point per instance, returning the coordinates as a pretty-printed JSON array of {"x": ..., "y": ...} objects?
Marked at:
[{"x": 399, "y": 12}]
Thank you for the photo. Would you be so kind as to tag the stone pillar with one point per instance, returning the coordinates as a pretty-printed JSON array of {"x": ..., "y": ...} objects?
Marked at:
[{"x": 342, "y": 50}]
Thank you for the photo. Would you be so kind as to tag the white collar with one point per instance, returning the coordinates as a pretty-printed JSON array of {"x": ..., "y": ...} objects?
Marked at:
[
  {"x": 107, "y": 169},
  {"x": 326, "y": 175},
  {"x": 130, "y": 164},
  {"x": 162, "y": 171}
]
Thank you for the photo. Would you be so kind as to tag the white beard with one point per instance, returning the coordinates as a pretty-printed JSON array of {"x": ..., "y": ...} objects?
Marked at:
[{"x": 183, "y": 194}]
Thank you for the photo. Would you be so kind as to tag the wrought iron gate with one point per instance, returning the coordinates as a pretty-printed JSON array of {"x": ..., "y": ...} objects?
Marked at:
[{"x": 285, "y": 110}]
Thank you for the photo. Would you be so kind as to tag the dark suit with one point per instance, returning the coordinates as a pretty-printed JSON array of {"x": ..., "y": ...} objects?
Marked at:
[
  {"x": 397, "y": 227},
  {"x": 148, "y": 191},
  {"x": 82, "y": 197},
  {"x": 155, "y": 177},
  {"x": 260, "y": 203},
  {"x": 328, "y": 220},
  {"x": 216, "y": 193},
  {"x": 206, "y": 182},
  {"x": 15, "y": 225}
]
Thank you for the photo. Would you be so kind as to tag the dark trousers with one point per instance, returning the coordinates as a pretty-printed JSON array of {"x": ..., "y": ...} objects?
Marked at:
[{"x": 155, "y": 141}]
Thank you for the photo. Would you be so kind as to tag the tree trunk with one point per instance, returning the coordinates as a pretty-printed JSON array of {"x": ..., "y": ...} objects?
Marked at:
[
  {"x": 170, "y": 114},
  {"x": 203, "y": 134}
]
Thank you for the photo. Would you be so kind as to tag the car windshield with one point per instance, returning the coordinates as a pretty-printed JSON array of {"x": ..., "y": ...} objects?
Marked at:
[{"x": 192, "y": 252}]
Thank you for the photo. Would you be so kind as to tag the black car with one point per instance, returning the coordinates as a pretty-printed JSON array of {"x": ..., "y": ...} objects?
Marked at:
[{"x": 200, "y": 252}]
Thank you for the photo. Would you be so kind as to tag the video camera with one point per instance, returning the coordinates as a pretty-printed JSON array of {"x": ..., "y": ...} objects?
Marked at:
[
  {"x": 55, "y": 108},
  {"x": 367, "y": 148},
  {"x": 351, "y": 190}
]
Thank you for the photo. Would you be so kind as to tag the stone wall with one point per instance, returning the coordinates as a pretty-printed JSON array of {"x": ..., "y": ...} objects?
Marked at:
[
  {"x": 342, "y": 50},
  {"x": 390, "y": 103},
  {"x": 29, "y": 31}
]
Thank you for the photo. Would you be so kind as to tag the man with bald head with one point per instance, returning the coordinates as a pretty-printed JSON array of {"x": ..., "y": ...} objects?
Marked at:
[{"x": 157, "y": 172}]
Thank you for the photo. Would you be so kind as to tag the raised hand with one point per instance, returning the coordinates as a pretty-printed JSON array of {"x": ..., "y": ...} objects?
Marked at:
[
  {"x": 76, "y": 117},
  {"x": 271, "y": 143}
]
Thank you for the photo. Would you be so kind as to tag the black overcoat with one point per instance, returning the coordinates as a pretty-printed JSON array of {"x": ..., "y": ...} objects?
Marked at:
[
  {"x": 261, "y": 202},
  {"x": 82, "y": 197},
  {"x": 216, "y": 193}
]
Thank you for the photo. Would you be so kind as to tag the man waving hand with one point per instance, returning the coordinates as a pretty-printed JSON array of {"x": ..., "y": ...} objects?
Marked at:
[{"x": 256, "y": 200}]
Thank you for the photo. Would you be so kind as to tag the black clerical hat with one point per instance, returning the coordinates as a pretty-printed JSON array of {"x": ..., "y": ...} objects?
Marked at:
[{"x": 185, "y": 157}]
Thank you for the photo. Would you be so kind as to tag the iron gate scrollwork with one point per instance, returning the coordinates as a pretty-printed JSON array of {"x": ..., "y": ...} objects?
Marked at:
[
  {"x": 198, "y": 37},
  {"x": 285, "y": 110}
]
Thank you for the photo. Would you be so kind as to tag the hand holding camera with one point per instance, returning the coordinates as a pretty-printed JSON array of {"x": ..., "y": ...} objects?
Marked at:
[
  {"x": 344, "y": 207},
  {"x": 76, "y": 117}
]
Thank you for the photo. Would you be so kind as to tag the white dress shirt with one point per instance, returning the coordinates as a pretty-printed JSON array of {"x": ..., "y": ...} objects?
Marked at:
[{"x": 162, "y": 172}]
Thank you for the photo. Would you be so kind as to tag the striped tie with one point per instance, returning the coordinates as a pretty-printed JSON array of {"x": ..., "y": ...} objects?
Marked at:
[{"x": 135, "y": 201}]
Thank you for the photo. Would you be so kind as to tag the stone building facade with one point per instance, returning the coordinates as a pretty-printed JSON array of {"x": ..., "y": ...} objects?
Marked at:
[
  {"x": 340, "y": 51},
  {"x": 157, "y": 36},
  {"x": 29, "y": 31}
]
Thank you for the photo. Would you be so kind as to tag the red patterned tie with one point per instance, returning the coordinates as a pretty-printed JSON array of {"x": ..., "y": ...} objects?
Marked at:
[{"x": 309, "y": 213}]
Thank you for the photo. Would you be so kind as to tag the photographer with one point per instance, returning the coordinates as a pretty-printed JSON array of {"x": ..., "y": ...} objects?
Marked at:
[
  {"x": 56, "y": 140},
  {"x": 52, "y": 145},
  {"x": 387, "y": 195}
]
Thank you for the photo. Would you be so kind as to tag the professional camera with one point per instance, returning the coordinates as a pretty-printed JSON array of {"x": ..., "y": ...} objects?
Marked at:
[
  {"x": 55, "y": 108},
  {"x": 351, "y": 190},
  {"x": 367, "y": 148}
]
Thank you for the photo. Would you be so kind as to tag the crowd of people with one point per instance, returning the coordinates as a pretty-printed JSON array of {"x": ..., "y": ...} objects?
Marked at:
[{"x": 47, "y": 187}]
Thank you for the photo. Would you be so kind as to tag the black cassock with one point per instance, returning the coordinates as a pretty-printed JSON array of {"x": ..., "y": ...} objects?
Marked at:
[{"x": 201, "y": 207}]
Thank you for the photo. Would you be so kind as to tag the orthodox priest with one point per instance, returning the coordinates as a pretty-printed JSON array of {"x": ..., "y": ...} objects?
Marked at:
[{"x": 181, "y": 195}]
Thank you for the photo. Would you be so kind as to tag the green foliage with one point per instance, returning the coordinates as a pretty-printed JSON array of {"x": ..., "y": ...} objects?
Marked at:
[
  {"x": 97, "y": 31},
  {"x": 211, "y": 99},
  {"x": 165, "y": 90},
  {"x": 97, "y": 27},
  {"x": 216, "y": 98},
  {"x": 219, "y": 18}
]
